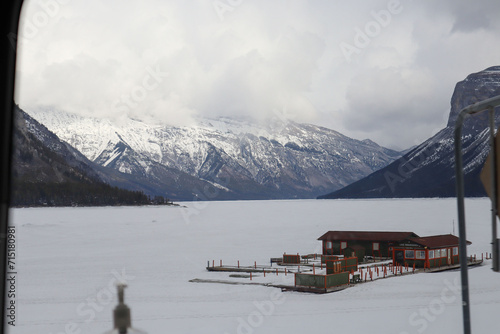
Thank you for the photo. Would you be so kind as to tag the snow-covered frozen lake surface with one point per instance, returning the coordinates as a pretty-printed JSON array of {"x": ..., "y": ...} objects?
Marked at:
[{"x": 69, "y": 258}]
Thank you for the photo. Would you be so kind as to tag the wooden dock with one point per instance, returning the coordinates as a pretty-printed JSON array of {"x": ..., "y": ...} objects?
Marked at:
[
  {"x": 256, "y": 269},
  {"x": 283, "y": 287}
]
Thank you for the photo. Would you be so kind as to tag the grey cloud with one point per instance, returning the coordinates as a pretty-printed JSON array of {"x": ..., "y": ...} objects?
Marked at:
[{"x": 263, "y": 58}]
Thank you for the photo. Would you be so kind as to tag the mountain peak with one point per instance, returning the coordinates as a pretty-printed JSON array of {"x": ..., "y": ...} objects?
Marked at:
[
  {"x": 427, "y": 170},
  {"x": 493, "y": 69},
  {"x": 370, "y": 142},
  {"x": 475, "y": 87}
]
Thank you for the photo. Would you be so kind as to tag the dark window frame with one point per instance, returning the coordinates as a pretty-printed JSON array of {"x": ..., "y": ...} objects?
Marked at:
[{"x": 11, "y": 10}]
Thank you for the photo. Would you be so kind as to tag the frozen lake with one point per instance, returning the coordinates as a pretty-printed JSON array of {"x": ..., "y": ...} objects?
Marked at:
[{"x": 69, "y": 258}]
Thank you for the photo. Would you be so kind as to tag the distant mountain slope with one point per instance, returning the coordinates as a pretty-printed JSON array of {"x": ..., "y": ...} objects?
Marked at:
[
  {"x": 47, "y": 171},
  {"x": 40, "y": 154},
  {"x": 240, "y": 159},
  {"x": 428, "y": 170}
]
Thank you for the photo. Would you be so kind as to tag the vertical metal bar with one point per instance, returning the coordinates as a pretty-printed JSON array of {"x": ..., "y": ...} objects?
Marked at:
[
  {"x": 494, "y": 192},
  {"x": 461, "y": 221}
]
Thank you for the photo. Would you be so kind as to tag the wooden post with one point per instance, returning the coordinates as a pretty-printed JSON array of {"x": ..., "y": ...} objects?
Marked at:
[
  {"x": 250, "y": 275},
  {"x": 277, "y": 271},
  {"x": 213, "y": 263},
  {"x": 264, "y": 272},
  {"x": 221, "y": 263},
  {"x": 255, "y": 264},
  {"x": 314, "y": 270},
  {"x": 285, "y": 271},
  {"x": 238, "y": 263}
]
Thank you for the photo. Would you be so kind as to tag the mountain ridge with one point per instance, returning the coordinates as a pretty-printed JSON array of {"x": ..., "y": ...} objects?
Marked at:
[
  {"x": 280, "y": 159},
  {"x": 428, "y": 169}
]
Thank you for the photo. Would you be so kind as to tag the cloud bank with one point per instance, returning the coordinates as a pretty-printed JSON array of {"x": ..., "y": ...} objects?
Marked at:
[{"x": 171, "y": 61}]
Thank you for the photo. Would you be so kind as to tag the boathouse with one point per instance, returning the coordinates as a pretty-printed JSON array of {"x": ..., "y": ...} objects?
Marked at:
[
  {"x": 362, "y": 243},
  {"x": 428, "y": 252}
]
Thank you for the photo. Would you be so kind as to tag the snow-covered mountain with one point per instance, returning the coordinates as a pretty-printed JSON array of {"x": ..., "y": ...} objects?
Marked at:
[
  {"x": 239, "y": 158},
  {"x": 429, "y": 169},
  {"x": 49, "y": 172}
]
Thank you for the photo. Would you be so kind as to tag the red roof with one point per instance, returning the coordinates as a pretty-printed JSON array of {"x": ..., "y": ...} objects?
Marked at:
[
  {"x": 366, "y": 236},
  {"x": 437, "y": 241}
]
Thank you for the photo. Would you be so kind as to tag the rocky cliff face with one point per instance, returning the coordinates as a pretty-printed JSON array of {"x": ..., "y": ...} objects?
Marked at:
[
  {"x": 240, "y": 159},
  {"x": 428, "y": 169},
  {"x": 476, "y": 87}
]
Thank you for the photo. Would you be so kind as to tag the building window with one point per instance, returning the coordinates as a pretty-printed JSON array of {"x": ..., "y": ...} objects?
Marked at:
[
  {"x": 343, "y": 244},
  {"x": 455, "y": 250},
  {"x": 431, "y": 254},
  {"x": 437, "y": 253},
  {"x": 376, "y": 246},
  {"x": 420, "y": 255},
  {"x": 409, "y": 254},
  {"x": 328, "y": 248}
]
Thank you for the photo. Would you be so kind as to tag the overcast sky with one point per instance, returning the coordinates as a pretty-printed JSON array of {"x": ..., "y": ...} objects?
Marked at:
[{"x": 383, "y": 70}]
